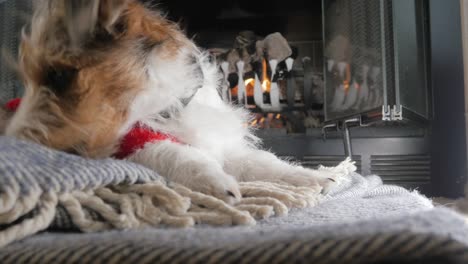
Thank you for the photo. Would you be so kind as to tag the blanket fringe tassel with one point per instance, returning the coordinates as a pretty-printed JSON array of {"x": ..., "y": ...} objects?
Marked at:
[
  {"x": 149, "y": 204},
  {"x": 46, "y": 207}
]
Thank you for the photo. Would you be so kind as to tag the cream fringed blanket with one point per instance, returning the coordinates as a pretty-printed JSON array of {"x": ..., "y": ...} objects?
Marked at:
[
  {"x": 154, "y": 204},
  {"x": 40, "y": 187}
]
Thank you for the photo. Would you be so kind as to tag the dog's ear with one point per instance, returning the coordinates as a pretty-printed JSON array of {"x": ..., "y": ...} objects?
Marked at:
[
  {"x": 83, "y": 18},
  {"x": 110, "y": 12}
]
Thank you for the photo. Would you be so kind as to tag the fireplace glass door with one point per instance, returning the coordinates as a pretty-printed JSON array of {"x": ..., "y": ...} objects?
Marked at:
[{"x": 376, "y": 60}]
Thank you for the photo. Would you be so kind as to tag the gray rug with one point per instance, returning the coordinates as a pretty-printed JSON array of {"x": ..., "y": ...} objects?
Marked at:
[{"x": 427, "y": 236}]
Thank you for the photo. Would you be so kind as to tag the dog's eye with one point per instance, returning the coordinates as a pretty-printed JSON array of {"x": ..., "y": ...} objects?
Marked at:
[{"x": 59, "y": 79}]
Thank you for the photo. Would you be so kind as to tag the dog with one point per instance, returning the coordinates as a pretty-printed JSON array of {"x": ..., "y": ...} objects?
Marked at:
[{"x": 95, "y": 69}]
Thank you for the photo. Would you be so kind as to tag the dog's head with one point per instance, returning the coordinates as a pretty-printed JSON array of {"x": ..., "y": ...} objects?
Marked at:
[{"x": 85, "y": 63}]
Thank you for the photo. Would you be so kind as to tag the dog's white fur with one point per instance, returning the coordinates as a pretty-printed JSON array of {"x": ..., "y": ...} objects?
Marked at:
[{"x": 219, "y": 148}]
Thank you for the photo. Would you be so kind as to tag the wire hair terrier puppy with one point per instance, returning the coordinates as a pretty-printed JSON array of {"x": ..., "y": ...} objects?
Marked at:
[{"x": 94, "y": 70}]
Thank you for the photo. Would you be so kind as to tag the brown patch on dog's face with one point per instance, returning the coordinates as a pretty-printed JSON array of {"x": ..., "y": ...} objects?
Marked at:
[{"x": 80, "y": 81}]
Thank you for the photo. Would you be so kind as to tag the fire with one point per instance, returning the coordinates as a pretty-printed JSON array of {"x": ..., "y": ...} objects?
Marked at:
[
  {"x": 266, "y": 84},
  {"x": 265, "y": 121},
  {"x": 249, "y": 86},
  {"x": 347, "y": 81},
  {"x": 250, "y": 83},
  {"x": 346, "y": 85}
]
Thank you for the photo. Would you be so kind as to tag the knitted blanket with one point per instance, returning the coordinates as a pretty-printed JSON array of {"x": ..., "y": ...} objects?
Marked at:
[
  {"x": 41, "y": 188},
  {"x": 360, "y": 221}
]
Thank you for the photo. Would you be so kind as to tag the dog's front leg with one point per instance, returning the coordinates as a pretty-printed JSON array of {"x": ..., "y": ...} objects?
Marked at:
[
  {"x": 190, "y": 167},
  {"x": 259, "y": 165}
]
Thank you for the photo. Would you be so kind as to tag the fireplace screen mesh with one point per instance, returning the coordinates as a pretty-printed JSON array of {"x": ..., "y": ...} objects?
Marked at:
[
  {"x": 356, "y": 64},
  {"x": 13, "y": 15}
]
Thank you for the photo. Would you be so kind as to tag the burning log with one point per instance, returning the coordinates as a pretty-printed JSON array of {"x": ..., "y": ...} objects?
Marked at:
[
  {"x": 259, "y": 73},
  {"x": 250, "y": 68},
  {"x": 250, "y": 49},
  {"x": 275, "y": 46}
]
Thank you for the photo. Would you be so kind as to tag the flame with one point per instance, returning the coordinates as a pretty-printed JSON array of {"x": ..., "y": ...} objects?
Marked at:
[
  {"x": 249, "y": 86},
  {"x": 266, "y": 121},
  {"x": 234, "y": 91},
  {"x": 266, "y": 84},
  {"x": 250, "y": 81},
  {"x": 347, "y": 81},
  {"x": 345, "y": 85}
]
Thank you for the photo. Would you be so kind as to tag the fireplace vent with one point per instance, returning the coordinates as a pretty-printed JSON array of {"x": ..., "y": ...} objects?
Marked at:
[{"x": 402, "y": 168}]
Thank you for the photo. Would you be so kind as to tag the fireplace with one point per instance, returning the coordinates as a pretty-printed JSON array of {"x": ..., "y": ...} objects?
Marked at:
[
  {"x": 272, "y": 64},
  {"x": 355, "y": 81}
]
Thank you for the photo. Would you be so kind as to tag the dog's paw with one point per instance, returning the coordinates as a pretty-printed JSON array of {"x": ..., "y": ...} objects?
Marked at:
[
  {"x": 218, "y": 184},
  {"x": 331, "y": 176},
  {"x": 300, "y": 177},
  {"x": 323, "y": 179},
  {"x": 345, "y": 168}
]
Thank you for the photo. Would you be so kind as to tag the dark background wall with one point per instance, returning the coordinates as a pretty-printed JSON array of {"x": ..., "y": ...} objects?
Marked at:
[{"x": 448, "y": 126}]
